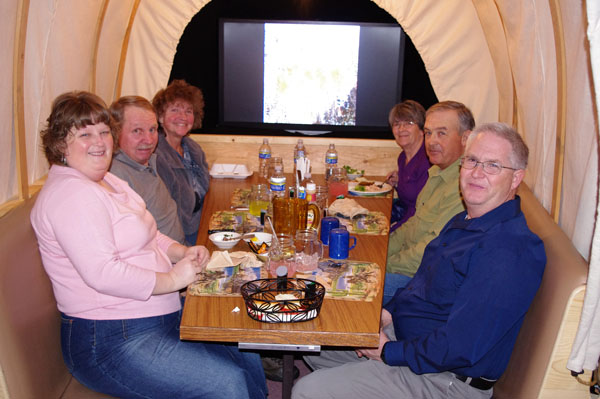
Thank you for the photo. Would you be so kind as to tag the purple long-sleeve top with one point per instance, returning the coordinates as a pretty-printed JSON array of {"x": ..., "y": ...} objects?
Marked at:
[{"x": 412, "y": 176}]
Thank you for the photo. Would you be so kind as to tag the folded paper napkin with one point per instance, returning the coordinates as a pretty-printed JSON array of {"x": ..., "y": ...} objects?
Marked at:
[
  {"x": 346, "y": 207},
  {"x": 221, "y": 259}
]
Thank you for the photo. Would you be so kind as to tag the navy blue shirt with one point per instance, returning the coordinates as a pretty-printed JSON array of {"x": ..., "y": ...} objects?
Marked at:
[{"x": 464, "y": 307}]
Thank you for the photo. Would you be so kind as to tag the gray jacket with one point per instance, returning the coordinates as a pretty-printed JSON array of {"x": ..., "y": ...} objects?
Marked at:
[{"x": 172, "y": 171}]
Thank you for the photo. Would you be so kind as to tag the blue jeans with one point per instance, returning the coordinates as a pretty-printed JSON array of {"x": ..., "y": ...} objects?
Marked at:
[
  {"x": 393, "y": 281},
  {"x": 144, "y": 358}
]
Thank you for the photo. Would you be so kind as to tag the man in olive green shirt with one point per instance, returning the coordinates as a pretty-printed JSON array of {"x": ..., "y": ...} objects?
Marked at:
[{"x": 447, "y": 126}]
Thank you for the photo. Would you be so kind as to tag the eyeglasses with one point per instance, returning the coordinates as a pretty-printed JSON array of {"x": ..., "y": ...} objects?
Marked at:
[
  {"x": 489, "y": 167},
  {"x": 403, "y": 124}
]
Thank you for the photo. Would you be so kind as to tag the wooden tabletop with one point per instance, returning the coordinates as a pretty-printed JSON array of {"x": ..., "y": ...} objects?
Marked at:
[{"x": 340, "y": 322}]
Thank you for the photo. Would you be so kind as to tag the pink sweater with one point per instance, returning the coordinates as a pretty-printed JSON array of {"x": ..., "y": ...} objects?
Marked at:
[{"x": 101, "y": 250}]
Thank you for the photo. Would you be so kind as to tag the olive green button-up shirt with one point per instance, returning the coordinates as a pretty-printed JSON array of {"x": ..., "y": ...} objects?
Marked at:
[{"x": 437, "y": 203}]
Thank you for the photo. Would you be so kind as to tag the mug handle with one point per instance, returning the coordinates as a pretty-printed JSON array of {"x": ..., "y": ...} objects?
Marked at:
[{"x": 354, "y": 244}]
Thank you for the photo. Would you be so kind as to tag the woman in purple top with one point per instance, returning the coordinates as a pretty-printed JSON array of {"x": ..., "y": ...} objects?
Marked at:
[{"x": 407, "y": 120}]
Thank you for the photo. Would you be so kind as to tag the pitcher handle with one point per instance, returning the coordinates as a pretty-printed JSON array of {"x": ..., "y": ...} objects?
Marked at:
[{"x": 316, "y": 215}]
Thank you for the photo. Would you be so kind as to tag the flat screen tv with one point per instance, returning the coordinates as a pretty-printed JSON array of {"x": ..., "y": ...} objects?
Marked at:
[{"x": 309, "y": 77}]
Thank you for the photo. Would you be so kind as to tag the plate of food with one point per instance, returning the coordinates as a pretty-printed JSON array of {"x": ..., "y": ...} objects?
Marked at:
[{"x": 365, "y": 188}]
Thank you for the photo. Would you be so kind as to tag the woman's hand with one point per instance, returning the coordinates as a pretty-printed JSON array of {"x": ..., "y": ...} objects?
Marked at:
[
  {"x": 392, "y": 178},
  {"x": 183, "y": 272},
  {"x": 200, "y": 253}
]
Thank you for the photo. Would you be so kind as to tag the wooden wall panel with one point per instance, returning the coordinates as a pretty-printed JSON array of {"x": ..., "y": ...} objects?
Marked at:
[{"x": 376, "y": 157}]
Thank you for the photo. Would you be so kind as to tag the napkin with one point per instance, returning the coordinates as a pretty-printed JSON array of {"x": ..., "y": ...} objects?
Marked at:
[
  {"x": 347, "y": 207},
  {"x": 246, "y": 259},
  {"x": 303, "y": 166},
  {"x": 221, "y": 259}
]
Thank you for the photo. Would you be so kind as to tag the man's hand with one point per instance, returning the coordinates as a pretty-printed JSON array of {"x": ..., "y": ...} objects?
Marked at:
[
  {"x": 386, "y": 318},
  {"x": 374, "y": 354}
]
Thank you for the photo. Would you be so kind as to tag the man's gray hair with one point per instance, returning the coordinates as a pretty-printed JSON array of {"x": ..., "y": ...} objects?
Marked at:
[
  {"x": 465, "y": 116},
  {"x": 519, "y": 154}
]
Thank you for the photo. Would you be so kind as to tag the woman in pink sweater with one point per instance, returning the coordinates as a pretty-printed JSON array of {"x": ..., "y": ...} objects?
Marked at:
[{"x": 116, "y": 278}]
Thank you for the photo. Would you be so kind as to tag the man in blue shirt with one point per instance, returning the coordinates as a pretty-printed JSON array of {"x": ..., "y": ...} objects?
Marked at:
[{"x": 450, "y": 332}]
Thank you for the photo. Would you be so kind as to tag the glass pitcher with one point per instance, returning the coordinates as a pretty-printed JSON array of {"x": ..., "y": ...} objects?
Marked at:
[
  {"x": 282, "y": 253},
  {"x": 260, "y": 199},
  {"x": 337, "y": 184},
  {"x": 291, "y": 214},
  {"x": 308, "y": 250}
]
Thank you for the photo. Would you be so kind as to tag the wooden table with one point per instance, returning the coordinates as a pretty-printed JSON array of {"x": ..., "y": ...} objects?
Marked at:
[{"x": 340, "y": 322}]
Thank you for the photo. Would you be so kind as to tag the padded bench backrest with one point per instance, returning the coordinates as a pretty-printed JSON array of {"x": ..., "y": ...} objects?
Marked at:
[
  {"x": 566, "y": 270},
  {"x": 30, "y": 354}
]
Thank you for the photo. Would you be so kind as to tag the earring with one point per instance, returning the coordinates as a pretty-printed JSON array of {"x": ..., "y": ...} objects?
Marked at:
[{"x": 64, "y": 160}]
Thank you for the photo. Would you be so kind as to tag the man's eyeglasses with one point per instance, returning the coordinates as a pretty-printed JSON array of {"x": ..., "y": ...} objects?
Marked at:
[
  {"x": 403, "y": 124},
  {"x": 489, "y": 167}
]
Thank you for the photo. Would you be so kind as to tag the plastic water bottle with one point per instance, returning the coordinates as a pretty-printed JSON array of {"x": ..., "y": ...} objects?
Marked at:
[
  {"x": 264, "y": 154},
  {"x": 299, "y": 152},
  {"x": 331, "y": 160},
  {"x": 277, "y": 184}
]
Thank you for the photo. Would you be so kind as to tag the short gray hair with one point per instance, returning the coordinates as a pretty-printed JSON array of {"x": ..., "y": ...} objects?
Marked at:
[
  {"x": 465, "y": 116},
  {"x": 520, "y": 152}
]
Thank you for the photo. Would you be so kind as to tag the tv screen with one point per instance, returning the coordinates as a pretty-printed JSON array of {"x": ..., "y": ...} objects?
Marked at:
[{"x": 309, "y": 77}]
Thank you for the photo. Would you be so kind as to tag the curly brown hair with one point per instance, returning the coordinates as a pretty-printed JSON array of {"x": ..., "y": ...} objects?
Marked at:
[
  {"x": 72, "y": 110},
  {"x": 180, "y": 90}
]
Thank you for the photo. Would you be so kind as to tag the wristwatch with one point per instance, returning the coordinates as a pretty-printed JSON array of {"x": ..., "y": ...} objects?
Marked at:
[{"x": 382, "y": 356}]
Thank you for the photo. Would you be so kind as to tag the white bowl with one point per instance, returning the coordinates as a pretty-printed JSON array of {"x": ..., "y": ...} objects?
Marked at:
[
  {"x": 260, "y": 237},
  {"x": 219, "y": 239},
  {"x": 354, "y": 176}
]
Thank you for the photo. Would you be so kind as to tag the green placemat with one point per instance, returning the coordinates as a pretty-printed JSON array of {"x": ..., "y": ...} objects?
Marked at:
[
  {"x": 239, "y": 221},
  {"x": 240, "y": 198},
  {"x": 374, "y": 223},
  {"x": 226, "y": 281}
]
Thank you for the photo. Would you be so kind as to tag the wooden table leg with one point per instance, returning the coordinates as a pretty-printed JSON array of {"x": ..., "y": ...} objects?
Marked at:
[{"x": 288, "y": 375}]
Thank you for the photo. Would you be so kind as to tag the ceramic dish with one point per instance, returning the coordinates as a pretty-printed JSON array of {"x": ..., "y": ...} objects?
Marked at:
[
  {"x": 257, "y": 241},
  {"x": 229, "y": 170},
  {"x": 259, "y": 238},
  {"x": 225, "y": 239},
  {"x": 380, "y": 188}
]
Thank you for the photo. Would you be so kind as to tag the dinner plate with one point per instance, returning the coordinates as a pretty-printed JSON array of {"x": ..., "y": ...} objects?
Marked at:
[{"x": 385, "y": 188}]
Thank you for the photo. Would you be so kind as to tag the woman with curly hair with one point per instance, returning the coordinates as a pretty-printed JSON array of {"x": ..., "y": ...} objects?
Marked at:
[{"x": 180, "y": 161}]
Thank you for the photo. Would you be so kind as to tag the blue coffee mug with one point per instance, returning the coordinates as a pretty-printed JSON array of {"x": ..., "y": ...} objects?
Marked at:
[
  {"x": 339, "y": 243},
  {"x": 327, "y": 224}
]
